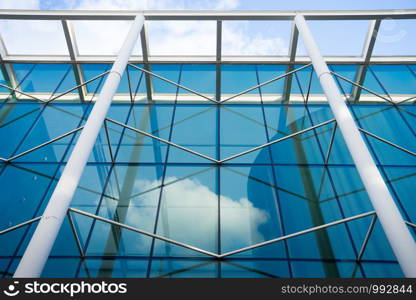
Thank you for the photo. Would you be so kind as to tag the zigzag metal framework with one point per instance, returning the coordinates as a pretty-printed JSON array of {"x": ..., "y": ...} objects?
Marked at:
[
  {"x": 289, "y": 136},
  {"x": 8, "y": 160},
  {"x": 208, "y": 253}
]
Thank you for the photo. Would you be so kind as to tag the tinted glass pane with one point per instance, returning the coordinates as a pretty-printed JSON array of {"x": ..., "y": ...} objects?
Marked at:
[
  {"x": 395, "y": 79},
  {"x": 45, "y": 78},
  {"x": 160, "y": 173}
]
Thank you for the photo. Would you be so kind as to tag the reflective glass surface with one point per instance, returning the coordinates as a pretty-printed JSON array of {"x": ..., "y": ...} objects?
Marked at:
[{"x": 182, "y": 178}]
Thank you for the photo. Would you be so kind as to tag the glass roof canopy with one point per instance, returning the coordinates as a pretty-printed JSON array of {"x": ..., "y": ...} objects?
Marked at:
[
  {"x": 206, "y": 37},
  {"x": 69, "y": 34}
]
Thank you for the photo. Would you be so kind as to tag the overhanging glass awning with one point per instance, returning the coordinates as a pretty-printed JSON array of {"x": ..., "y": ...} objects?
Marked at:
[
  {"x": 207, "y": 39},
  {"x": 207, "y": 36}
]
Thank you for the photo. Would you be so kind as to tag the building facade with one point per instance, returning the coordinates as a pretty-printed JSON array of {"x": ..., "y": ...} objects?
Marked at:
[{"x": 207, "y": 166}]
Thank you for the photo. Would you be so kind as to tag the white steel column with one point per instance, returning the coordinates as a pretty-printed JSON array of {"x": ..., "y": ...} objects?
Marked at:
[
  {"x": 37, "y": 252},
  {"x": 396, "y": 230}
]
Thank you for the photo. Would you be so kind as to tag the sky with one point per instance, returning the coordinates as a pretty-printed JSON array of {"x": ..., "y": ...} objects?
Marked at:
[
  {"x": 209, "y": 4},
  {"x": 396, "y": 37}
]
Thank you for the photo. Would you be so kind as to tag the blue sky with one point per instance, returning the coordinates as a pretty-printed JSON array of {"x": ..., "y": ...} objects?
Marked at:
[
  {"x": 212, "y": 4},
  {"x": 396, "y": 37},
  {"x": 252, "y": 5}
]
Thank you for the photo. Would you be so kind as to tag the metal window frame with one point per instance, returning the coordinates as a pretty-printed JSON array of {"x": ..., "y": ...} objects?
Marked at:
[{"x": 73, "y": 52}]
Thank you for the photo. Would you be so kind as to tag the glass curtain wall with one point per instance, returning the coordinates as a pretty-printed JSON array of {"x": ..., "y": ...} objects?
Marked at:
[{"x": 216, "y": 176}]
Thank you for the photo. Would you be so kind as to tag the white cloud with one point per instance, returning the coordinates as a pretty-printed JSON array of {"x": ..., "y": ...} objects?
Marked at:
[
  {"x": 33, "y": 37},
  {"x": 166, "y": 38},
  {"x": 189, "y": 214},
  {"x": 149, "y": 4},
  {"x": 239, "y": 40},
  {"x": 101, "y": 37},
  {"x": 227, "y": 4},
  {"x": 189, "y": 211},
  {"x": 182, "y": 38},
  {"x": 20, "y": 4}
]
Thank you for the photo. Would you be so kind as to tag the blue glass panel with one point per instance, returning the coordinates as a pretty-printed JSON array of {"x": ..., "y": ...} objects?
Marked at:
[
  {"x": 188, "y": 211},
  {"x": 92, "y": 70},
  {"x": 163, "y": 268},
  {"x": 249, "y": 214},
  {"x": 237, "y": 78},
  {"x": 203, "y": 140},
  {"x": 314, "y": 269},
  {"x": 137, "y": 82},
  {"x": 268, "y": 72},
  {"x": 350, "y": 191},
  {"x": 65, "y": 243},
  {"x": 378, "y": 248},
  {"x": 302, "y": 82},
  {"x": 372, "y": 83},
  {"x": 412, "y": 68},
  {"x": 54, "y": 121},
  {"x": 403, "y": 180},
  {"x": 45, "y": 78},
  {"x": 110, "y": 267},
  {"x": 13, "y": 265},
  {"x": 15, "y": 120},
  {"x": 302, "y": 195},
  {"x": 242, "y": 128},
  {"x": 279, "y": 118},
  {"x": 409, "y": 114},
  {"x": 135, "y": 146},
  {"x": 114, "y": 240},
  {"x": 329, "y": 244},
  {"x": 101, "y": 150},
  {"x": 282, "y": 121},
  {"x": 386, "y": 122},
  {"x": 21, "y": 204},
  {"x": 4, "y": 273},
  {"x": 61, "y": 268},
  {"x": 395, "y": 79},
  {"x": 339, "y": 152},
  {"x": 171, "y": 72},
  {"x": 383, "y": 270},
  {"x": 200, "y": 78},
  {"x": 132, "y": 195},
  {"x": 155, "y": 119},
  {"x": 347, "y": 71},
  {"x": 90, "y": 189},
  {"x": 254, "y": 269}
]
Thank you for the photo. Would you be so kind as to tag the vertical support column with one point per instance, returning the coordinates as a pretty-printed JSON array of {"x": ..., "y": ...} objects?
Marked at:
[
  {"x": 397, "y": 232},
  {"x": 37, "y": 252}
]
